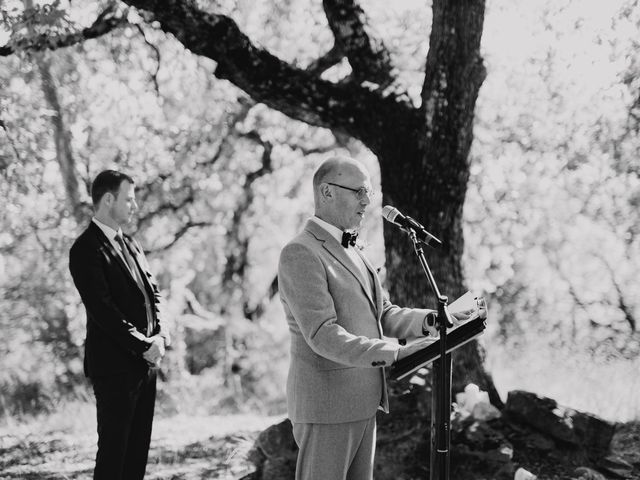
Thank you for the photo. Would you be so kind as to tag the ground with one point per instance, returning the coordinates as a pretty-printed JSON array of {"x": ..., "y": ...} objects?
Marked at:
[{"x": 183, "y": 448}]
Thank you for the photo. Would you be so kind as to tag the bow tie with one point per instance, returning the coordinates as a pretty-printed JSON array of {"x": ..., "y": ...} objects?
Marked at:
[{"x": 348, "y": 239}]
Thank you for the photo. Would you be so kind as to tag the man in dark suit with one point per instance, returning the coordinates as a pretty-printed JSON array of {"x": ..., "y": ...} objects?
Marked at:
[{"x": 125, "y": 337}]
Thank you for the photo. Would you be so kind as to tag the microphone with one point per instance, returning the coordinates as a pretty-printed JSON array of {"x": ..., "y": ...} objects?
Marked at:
[{"x": 394, "y": 216}]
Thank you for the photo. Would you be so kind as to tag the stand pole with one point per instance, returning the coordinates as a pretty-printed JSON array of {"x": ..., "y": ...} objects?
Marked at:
[
  {"x": 441, "y": 381},
  {"x": 441, "y": 404}
]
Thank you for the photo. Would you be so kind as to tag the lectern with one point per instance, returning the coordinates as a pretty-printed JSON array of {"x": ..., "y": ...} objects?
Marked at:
[{"x": 439, "y": 353}]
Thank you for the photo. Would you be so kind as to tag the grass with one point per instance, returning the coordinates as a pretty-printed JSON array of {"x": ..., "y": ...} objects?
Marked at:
[
  {"x": 61, "y": 446},
  {"x": 189, "y": 442},
  {"x": 609, "y": 389}
]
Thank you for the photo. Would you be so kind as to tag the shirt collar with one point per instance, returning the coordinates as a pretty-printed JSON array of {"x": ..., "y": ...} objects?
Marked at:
[
  {"x": 334, "y": 231},
  {"x": 107, "y": 230}
]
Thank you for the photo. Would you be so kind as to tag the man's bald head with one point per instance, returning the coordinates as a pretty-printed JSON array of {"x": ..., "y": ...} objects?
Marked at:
[
  {"x": 336, "y": 192},
  {"x": 334, "y": 169}
]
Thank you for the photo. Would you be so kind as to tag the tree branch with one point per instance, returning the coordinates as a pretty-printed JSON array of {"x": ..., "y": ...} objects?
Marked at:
[
  {"x": 168, "y": 206},
  {"x": 255, "y": 312},
  {"x": 156, "y": 51},
  {"x": 325, "y": 62},
  {"x": 109, "y": 20},
  {"x": 237, "y": 244},
  {"x": 4, "y": 164},
  {"x": 346, "y": 107},
  {"x": 622, "y": 303},
  {"x": 178, "y": 235},
  {"x": 368, "y": 56}
]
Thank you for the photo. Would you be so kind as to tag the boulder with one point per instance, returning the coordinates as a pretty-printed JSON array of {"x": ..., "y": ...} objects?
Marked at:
[
  {"x": 586, "y": 473},
  {"x": 274, "y": 453},
  {"x": 522, "y": 474},
  {"x": 532, "y": 431},
  {"x": 577, "y": 429},
  {"x": 616, "y": 467}
]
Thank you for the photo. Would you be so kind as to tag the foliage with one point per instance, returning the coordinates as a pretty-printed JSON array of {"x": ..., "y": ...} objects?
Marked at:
[{"x": 551, "y": 217}]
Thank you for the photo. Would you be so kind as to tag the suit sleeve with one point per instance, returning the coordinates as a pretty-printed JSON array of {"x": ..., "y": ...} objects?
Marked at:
[
  {"x": 399, "y": 322},
  {"x": 304, "y": 289},
  {"x": 87, "y": 271}
]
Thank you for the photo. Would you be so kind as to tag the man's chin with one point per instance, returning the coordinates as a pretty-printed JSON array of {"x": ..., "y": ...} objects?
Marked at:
[{"x": 356, "y": 226}]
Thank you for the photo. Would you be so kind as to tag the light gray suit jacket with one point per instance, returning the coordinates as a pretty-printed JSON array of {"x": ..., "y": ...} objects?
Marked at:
[{"x": 336, "y": 325}]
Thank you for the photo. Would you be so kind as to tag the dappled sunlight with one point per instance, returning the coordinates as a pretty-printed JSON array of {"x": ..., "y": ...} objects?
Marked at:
[{"x": 540, "y": 212}]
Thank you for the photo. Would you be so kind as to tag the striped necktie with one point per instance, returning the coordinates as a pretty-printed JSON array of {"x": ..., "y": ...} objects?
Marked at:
[{"x": 135, "y": 272}]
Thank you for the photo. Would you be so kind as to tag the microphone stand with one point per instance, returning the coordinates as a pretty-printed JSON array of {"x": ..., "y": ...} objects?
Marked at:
[{"x": 441, "y": 379}]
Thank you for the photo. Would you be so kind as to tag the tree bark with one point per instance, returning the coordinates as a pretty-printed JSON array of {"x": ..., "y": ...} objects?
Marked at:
[
  {"x": 425, "y": 172},
  {"x": 61, "y": 135},
  {"x": 62, "y": 138}
]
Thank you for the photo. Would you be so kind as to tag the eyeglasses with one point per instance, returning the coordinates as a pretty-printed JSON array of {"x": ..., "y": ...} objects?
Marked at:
[{"x": 361, "y": 193}]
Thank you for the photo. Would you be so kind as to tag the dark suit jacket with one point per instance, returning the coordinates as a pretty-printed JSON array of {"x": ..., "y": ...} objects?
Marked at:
[{"x": 117, "y": 333}]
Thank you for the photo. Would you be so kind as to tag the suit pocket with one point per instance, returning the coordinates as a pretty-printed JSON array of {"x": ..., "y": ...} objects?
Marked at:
[{"x": 334, "y": 366}]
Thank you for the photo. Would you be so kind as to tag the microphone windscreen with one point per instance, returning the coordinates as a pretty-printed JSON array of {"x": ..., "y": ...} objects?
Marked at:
[{"x": 390, "y": 213}]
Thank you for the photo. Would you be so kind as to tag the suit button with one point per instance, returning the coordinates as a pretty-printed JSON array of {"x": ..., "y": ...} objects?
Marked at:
[
  {"x": 374, "y": 364},
  {"x": 382, "y": 363}
]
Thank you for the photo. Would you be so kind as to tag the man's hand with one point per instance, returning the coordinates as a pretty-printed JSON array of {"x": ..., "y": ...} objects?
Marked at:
[
  {"x": 460, "y": 317},
  {"x": 155, "y": 352},
  {"x": 414, "y": 347}
]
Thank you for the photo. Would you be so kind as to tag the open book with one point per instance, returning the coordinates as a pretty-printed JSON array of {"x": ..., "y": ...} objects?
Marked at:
[
  {"x": 458, "y": 335},
  {"x": 469, "y": 302}
]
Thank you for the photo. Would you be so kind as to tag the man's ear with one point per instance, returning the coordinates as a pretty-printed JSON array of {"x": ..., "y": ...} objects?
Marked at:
[
  {"x": 325, "y": 191},
  {"x": 108, "y": 199}
]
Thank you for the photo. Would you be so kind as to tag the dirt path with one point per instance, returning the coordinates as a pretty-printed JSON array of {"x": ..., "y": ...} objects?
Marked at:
[{"x": 182, "y": 448}]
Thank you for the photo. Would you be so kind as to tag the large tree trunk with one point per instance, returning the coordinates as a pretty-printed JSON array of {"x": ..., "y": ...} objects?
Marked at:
[{"x": 425, "y": 172}]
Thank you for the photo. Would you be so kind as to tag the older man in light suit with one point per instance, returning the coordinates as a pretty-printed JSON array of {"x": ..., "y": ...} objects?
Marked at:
[{"x": 337, "y": 316}]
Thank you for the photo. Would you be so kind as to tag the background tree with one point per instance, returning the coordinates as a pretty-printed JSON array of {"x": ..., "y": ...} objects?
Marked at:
[
  {"x": 422, "y": 150},
  {"x": 553, "y": 176}
]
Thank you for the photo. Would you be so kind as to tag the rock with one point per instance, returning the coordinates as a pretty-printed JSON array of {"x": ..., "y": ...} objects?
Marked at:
[
  {"x": 277, "y": 441},
  {"x": 504, "y": 454},
  {"x": 616, "y": 466},
  {"x": 575, "y": 428},
  {"x": 539, "y": 442},
  {"x": 485, "y": 412},
  {"x": 274, "y": 453},
  {"x": 544, "y": 435},
  {"x": 278, "y": 469},
  {"x": 506, "y": 472},
  {"x": 403, "y": 445},
  {"x": 586, "y": 473},
  {"x": 481, "y": 436},
  {"x": 522, "y": 474}
]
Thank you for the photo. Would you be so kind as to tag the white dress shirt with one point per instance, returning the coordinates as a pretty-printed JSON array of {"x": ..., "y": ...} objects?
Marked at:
[
  {"x": 336, "y": 233},
  {"x": 110, "y": 233}
]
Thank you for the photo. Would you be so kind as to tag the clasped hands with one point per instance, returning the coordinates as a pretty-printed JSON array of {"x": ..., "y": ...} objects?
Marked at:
[{"x": 153, "y": 355}]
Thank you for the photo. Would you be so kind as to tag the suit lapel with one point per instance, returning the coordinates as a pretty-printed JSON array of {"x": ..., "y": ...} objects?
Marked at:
[
  {"x": 340, "y": 254},
  {"x": 112, "y": 251},
  {"x": 375, "y": 281},
  {"x": 135, "y": 255}
]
